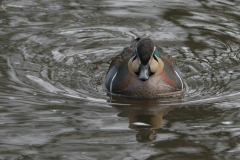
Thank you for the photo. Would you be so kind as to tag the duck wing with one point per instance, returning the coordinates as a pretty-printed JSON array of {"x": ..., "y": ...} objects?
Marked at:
[{"x": 125, "y": 54}]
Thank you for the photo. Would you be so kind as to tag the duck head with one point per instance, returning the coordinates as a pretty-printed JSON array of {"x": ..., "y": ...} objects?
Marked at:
[{"x": 146, "y": 60}]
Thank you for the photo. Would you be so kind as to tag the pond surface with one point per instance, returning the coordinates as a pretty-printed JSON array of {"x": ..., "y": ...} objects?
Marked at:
[{"x": 53, "y": 63}]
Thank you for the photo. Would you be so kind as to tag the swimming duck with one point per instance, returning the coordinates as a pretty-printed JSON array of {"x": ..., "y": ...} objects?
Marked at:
[{"x": 143, "y": 70}]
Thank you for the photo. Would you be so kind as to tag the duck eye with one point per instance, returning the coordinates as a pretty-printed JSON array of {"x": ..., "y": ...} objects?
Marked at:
[
  {"x": 155, "y": 58},
  {"x": 134, "y": 58}
]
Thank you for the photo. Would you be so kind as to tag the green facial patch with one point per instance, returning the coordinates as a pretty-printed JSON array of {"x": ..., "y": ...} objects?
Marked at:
[
  {"x": 157, "y": 53},
  {"x": 134, "y": 53}
]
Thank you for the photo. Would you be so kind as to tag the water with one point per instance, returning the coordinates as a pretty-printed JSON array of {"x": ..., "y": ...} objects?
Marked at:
[{"x": 54, "y": 58}]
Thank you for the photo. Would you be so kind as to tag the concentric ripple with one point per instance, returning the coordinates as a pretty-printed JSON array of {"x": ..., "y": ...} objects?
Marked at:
[
  {"x": 53, "y": 62},
  {"x": 73, "y": 59}
]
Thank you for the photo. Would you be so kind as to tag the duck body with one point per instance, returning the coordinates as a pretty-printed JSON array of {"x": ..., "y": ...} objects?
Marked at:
[{"x": 136, "y": 73}]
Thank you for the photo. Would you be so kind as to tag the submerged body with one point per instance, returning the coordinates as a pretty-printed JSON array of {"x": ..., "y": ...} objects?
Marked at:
[{"x": 143, "y": 70}]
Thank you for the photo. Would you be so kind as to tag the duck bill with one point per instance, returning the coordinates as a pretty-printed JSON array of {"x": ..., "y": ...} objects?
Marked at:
[{"x": 144, "y": 72}]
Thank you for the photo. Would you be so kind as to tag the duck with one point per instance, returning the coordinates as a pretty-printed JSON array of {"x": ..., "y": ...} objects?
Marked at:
[{"x": 144, "y": 70}]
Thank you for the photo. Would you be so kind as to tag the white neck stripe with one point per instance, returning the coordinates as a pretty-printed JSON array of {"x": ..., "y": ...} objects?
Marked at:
[{"x": 112, "y": 81}]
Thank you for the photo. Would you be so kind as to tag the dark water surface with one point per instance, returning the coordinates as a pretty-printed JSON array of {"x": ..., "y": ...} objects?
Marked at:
[{"x": 54, "y": 58}]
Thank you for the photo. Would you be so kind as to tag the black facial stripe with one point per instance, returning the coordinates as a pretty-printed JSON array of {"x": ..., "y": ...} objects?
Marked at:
[
  {"x": 137, "y": 73},
  {"x": 152, "y": 73},
  {"x": 134, "y": 58},
  {"x": 155, "y": 58}
]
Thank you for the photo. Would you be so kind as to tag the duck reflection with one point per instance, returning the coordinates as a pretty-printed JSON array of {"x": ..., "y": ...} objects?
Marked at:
[{"x": 145, "y": 116}]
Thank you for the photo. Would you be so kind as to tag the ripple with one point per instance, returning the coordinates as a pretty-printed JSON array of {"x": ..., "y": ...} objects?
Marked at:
[
  {"x": 53, "y": 63},
  {"x": 76, "y": 59}
]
